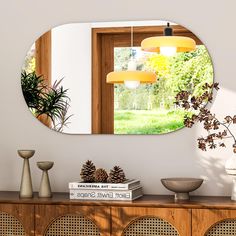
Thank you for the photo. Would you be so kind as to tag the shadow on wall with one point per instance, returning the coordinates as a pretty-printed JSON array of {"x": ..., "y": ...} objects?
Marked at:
[
  {"x": 216, "y": 180},
  {"x": 212, "y": 162}
]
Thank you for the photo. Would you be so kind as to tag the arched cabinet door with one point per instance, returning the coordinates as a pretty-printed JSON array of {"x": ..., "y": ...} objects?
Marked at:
[
  {"x": 136, "y": 221},
  {"x": 212, "y": 222},
  {"x": 13, "y": 220},
  {"x": 55, "y": 220}
]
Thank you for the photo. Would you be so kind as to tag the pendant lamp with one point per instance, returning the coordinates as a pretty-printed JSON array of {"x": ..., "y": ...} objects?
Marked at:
[
  {"x": 168, "y": 44},
  {"x": 131, "y": 78}
]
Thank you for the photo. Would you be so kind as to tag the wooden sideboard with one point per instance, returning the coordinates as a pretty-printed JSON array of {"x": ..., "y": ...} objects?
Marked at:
[{"x": 149, "y": 215}]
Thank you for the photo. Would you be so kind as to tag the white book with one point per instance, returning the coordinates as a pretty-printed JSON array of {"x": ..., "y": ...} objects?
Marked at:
[
  {"x": 128, "y": 184},
  {"x": 116, "y": 195}
]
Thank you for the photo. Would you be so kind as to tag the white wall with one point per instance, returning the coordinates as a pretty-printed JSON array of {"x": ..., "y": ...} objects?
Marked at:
[
  {"x": 154, "y": 22},
  {"x": 146, "y": 157},
  {"x": 71, "y": 60}
]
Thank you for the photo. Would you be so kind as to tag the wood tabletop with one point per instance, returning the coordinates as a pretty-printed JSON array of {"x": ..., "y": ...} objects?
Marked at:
[{"x": 162, "y": 201}]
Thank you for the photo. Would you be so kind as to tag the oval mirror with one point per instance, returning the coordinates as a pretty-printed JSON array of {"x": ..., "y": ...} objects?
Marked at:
[{"x": 114, "y": 77}]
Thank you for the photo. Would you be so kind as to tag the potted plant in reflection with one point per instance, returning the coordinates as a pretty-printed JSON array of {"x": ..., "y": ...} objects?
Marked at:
[
  {"x": 47, "y": 101},
  {"x": 217, "y": 130}
]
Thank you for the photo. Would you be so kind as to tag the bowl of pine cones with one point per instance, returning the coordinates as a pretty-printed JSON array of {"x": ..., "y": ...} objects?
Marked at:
[{"x": 90, "y": 174}]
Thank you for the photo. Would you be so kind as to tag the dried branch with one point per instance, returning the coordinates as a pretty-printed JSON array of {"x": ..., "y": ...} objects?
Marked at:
[{"x": 197, "y": 112}]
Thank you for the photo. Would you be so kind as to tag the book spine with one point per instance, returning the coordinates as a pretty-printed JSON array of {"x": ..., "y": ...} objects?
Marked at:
[
  {"x": 100, "y": 195},
  {"x": 98, "y": 186},
  {"x": 104, "y": 186}
]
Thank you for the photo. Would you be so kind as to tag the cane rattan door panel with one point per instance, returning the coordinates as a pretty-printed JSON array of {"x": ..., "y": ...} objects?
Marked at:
[
  {"x": 130, "y": 221},
  {"x": 10, "y": 225},
  {"x": 150, "y": 226},
  {"x": 76, "y": 225},
  {"x": 72, "y": 220},
  {"x": 223, "y": 228},
  {"x": 13, "y": 220},
  {"x": 215, "y": 223}
]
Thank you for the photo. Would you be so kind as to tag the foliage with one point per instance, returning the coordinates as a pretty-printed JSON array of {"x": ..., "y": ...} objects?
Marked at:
[
  {"x": 29, "y": 65},
  {"x": 32, "y": 87},
  {"x": 148, "y": 122},
  {"x": 160, "y": 64},
  {"x": 184, "y": 71},
  {"x": 209, "y": 120},
  {"x": 122, "y": 56},
  {"x": 46, "y": 100}
]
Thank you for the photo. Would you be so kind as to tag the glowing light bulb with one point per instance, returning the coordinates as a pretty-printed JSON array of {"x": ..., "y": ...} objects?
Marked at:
[
  {"x": 132, "y": 84},
  {"x": 168, "y": 51}
]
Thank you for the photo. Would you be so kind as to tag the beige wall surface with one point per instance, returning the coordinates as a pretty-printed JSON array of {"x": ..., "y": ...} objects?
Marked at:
[{"x": 148, "y": 158}]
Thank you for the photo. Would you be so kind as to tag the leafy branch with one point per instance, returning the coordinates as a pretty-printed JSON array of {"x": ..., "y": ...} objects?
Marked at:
[
  {"x": 42, "y": 99},
  {"x": 197, "y": 112}
]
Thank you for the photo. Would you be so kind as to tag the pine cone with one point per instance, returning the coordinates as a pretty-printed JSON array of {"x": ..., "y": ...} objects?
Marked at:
[
  {"x": 100, "y": 176},
  {"x": 116, "y": 175},
  {"x": 87, "y": 172}
]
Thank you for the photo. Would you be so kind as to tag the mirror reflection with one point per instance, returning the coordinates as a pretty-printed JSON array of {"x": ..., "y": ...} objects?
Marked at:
[{"x": 114, "y": 77}]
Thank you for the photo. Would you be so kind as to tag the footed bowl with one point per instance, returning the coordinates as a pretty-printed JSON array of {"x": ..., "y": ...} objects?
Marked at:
[{"x": 182, "y": 186}]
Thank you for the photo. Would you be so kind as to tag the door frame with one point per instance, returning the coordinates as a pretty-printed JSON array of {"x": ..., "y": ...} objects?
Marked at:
[
  {"x": 43, "y": 62},
  {"x": 103, "y": 42}
]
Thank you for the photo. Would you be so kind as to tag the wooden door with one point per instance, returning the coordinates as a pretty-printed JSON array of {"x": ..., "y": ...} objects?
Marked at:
[
  {"x": 43, "y": 63},
  {"x": 212, "y": 222},
  {"x": 133, "y": 221},
  {"x": 16, "y": 220},
  {"x": 55, "y": 220}
]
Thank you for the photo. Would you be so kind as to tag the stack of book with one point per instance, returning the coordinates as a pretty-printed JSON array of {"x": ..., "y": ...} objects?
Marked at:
[{"x": 126, "y": 191}]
